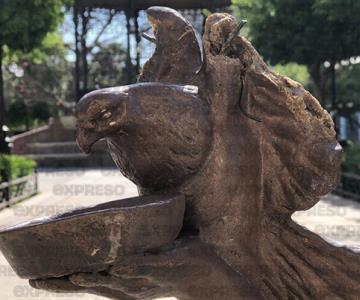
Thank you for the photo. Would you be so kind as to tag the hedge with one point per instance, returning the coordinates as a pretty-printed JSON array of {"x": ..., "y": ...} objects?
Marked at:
[{"x": 14, "y": 166}]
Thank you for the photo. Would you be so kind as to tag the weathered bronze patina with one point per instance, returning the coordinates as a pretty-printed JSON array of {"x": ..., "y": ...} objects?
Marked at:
[
  {"x": 245, "y": 146},
  {"x": 92, "y": 238}
]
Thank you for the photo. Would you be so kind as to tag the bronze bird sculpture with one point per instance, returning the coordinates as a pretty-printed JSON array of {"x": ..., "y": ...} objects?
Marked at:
[{"x": 247, "y": 147}]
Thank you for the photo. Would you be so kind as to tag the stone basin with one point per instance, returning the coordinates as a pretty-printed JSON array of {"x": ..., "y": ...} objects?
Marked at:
[{"x": 93, "y": 238}]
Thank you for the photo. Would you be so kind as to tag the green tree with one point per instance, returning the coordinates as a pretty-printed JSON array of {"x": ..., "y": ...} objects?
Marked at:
[
  {"x": 108, "y": 67},
  {"x": 294, "y": 71},
  {"x": 307, "y": 32},
  {"x": 349, "y": 86},
  {"x": 339, "y": 9},
  {"x": 24, "y": 24},
  {"x": 42, "y": 76}
]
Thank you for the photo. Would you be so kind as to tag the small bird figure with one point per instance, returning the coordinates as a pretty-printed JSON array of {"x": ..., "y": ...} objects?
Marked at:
[{"x": 158, "y": 134}]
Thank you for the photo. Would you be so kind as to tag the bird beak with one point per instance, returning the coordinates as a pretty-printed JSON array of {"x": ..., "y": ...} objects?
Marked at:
[{"x": 86, "y": 139}]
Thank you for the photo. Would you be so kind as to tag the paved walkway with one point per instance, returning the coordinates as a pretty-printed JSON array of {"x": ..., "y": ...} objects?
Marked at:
[{"x": 334, "y": 218}]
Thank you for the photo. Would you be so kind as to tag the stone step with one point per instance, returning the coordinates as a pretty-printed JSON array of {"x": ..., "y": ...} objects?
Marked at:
[
  {"x": 53, "y": 147},
  {"x": 72, "y": 160},
  {"x": 55, "y": 135},
  {"x": 62, "y": 147}
]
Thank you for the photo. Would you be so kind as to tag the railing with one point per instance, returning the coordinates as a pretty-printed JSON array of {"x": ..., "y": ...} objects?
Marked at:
[
  {"x": 17, "y": 190},
  {"x": 349, "y": 186}
]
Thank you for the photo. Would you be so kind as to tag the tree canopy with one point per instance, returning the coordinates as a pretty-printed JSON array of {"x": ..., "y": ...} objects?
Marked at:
[
  {"x": 40, "y": 78},
  {"x": 305, "y": 32},
  {"x": 308, "y": 32},
  {"x": 24, "y": 24}
]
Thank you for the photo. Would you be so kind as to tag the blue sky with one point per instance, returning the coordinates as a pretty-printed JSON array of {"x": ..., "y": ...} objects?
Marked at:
[{"x": 115, "y": 33}]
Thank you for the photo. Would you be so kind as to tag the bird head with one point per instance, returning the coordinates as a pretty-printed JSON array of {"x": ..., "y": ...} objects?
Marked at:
[{"x": 100, "y": 114}]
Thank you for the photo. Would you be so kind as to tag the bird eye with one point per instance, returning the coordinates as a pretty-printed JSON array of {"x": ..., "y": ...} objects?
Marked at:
[{"x": 106, "y": 114}]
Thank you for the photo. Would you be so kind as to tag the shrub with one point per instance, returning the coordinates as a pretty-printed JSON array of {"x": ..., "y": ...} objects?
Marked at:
[{"x": 14, "y": 166}]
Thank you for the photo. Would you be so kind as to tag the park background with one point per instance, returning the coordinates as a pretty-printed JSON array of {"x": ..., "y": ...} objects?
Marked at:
[{"x": 54, "y": 51}]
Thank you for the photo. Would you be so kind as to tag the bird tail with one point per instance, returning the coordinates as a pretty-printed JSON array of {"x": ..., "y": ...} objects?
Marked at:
[{"x": 298, "y": 264}]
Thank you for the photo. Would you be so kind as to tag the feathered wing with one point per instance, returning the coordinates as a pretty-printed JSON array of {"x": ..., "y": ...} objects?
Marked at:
[
  {"x": 300, "y": 152},
  {"x": 301, "y": 162}
]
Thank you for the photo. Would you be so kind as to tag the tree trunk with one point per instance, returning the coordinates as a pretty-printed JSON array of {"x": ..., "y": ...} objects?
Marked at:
[
  {"x": 318, "y": 80},
  {"x": 333, "y": 86},
  {"x": 138, "y": 40},
  {"x": 129, "y": 65},
  {"x": 85, "y": 20},
  {"x": 2, "y": 98},
  {"x": 333, "y": 95},
  {"x": 77, "y": 54}
]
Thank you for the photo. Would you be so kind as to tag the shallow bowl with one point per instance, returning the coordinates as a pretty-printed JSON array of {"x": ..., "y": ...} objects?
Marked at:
[{"x": 91, "y": 239}]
